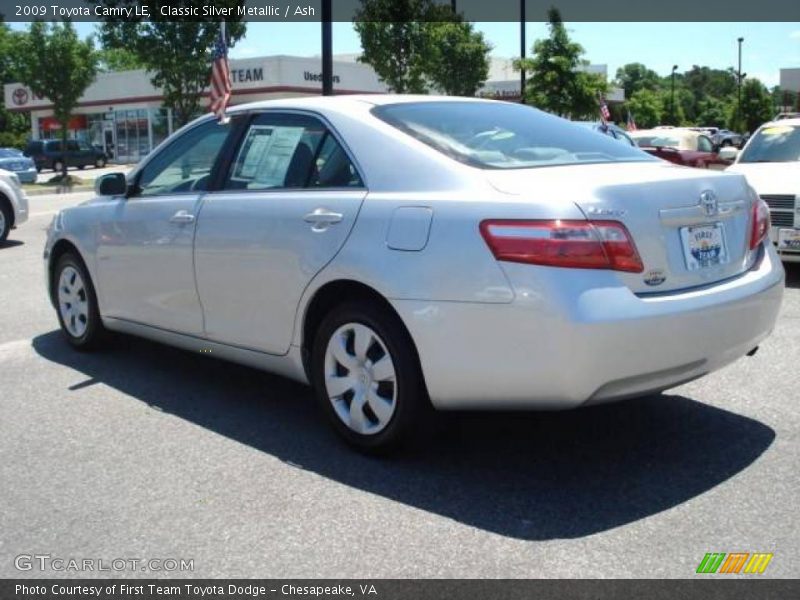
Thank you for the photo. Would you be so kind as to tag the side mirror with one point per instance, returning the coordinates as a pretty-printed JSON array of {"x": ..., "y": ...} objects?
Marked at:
[
  {"x": 113, "y": 184},
  {"x": 728, "y": 153}
]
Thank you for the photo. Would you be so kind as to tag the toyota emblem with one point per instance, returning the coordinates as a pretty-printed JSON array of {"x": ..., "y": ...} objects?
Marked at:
[{"x": 708, "y": 202}]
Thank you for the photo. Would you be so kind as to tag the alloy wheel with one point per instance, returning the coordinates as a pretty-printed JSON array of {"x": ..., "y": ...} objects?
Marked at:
[
  {"x": 73, "y": 301},
  {"x": 360, "y": 378}
]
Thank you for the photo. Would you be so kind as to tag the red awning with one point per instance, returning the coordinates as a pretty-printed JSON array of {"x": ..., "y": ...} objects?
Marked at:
[{"x": 51, "y": 124}]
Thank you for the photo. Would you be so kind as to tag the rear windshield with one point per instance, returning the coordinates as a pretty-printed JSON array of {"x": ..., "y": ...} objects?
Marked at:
[
  {"x": 776, "y": 143},
  {"x": 502, "y": 135}
]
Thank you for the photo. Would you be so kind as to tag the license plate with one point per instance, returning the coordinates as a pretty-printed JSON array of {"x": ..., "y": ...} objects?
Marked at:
[
  {"x": 704, "y": 246},
  {"x": 789, "y": 239}
]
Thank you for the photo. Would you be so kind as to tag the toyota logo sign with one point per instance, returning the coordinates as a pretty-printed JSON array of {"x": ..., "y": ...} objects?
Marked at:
[{"x": 20, "y": 96}]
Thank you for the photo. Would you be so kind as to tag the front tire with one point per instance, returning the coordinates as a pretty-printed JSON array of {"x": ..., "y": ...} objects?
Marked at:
[
  {"x": 58, "y": 166},
  {"x": 76, "y": 304},
  {"x": 100, "y": 163},
  {"x": 5, "y": 220},
  {"x": 367, "y": 377}
]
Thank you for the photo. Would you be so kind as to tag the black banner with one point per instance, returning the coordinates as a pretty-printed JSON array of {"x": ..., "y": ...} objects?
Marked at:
[
  {"x": 702, "y": 588},
  {"x": 346, "y": 10}
]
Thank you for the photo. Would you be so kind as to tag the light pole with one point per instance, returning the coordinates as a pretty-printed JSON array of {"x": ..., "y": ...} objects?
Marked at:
[
  {"x": 739, "y": 84},
  {"x": 327, "y": 49},
  {"x": 522, "y": 50},
  {"x": 672, "y": 96}
]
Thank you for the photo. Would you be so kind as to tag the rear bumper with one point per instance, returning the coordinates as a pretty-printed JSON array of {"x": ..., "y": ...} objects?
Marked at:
[
  {"x": 28, "y": 176},
  {"x": 583, "y": 338}
]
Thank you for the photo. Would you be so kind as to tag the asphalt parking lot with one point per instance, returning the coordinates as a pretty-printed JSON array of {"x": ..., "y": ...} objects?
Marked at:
[{"x": 150, "y": 452}]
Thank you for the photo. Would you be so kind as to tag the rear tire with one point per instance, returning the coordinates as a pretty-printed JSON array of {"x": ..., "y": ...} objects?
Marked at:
[
  {"x": 76, "y": 304},
  {"x": 363, "y": 354},
  {"x": 100, "y": 163},
  {"x": 58, "y": 166}
]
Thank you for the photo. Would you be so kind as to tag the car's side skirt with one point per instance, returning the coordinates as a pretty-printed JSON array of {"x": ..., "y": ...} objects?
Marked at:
[{"x": 288, "y": 365}]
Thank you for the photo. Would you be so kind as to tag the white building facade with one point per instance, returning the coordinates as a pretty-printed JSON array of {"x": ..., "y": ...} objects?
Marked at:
[{"x": 123, "y": 112}]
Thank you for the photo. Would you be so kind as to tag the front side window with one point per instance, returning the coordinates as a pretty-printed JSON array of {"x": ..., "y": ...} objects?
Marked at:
[
  {"x": 502, "y": 135},
  {"x": 287, "y": 151},
  {"x": 185, "y": 164},
  {"x": 775, "y": 143},
  {"x": 704, "y": 144}
]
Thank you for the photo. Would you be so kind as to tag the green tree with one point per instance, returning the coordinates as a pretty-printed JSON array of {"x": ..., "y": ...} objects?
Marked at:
[
  {"x": 756, "y": 107},
  {"x": 634, "y": 77},
  {"x": 15, "y": 126},
  {"x": 646, "y": 107},
  {"x": 556, "y": 80},
  {"x": 458, "y": 60},
  {"x": 176, "y": 53},
  {"x": 396, "y": 40},
  {"x": 713, "y": 112},
  {"x": 117, "y": 59},
  {"x": 56, "y": 64}
]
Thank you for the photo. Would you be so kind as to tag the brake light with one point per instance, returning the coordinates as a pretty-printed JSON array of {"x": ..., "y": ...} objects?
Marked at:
[
  {"x": 761, "y": 223},
  {"x": 563, "y": 243}
]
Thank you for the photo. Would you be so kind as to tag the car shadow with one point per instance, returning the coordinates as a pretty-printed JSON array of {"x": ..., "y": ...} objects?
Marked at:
[
  {"x": 531, "y": 476},
  {"x": 11, "y": 244},
  {"x": 792, "y": 274}
]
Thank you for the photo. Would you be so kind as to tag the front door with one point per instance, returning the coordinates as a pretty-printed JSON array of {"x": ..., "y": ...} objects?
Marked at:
[
  {"x": 290, "y": 198},
  {"x": 144, "y": 253}
]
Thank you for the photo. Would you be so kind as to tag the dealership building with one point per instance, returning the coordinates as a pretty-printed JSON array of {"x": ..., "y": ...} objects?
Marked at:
[{"x": 123, "y": 112}]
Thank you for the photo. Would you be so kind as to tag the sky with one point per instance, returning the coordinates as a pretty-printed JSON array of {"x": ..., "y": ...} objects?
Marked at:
[{"x": 767, "y": 47}]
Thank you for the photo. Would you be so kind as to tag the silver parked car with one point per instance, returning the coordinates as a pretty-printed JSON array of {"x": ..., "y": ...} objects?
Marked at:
[
  {"x": 13, "y": 203},
  {"x": 398, "y": 252},
  {"x": 13, "y": 160}
]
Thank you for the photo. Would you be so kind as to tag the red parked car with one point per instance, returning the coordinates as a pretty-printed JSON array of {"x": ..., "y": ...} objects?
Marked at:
[{"x": 680, "y": 146}]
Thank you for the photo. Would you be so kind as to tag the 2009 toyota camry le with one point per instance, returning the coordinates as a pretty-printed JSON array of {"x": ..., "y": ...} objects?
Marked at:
[{"x": 400, "y": 252}]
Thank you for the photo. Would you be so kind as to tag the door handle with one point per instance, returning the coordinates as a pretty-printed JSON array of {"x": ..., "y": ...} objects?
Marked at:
[
  {"x": 182, "y": 217},
  {"x": 322, "y": 218}
]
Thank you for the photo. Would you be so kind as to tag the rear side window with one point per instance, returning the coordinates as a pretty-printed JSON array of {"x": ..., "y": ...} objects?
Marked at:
[
  {"x": 502, "y": 135},
  {"x": 289, "y": 151}
]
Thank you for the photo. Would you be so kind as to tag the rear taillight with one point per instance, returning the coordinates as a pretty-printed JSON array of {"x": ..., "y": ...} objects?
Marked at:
[
  {"x": 761, "y": 223},
  {"x": 557, "y": 243}
]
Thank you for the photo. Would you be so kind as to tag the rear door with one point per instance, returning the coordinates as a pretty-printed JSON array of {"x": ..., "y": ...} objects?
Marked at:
[{"x": 288, "y": 203}]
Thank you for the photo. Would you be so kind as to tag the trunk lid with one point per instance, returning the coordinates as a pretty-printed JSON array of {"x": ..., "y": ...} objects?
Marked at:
[{"x": 690, "y": 226}]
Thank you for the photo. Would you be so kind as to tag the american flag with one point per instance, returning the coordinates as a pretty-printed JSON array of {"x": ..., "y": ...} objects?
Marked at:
[
  {"x": 631, "y": 122},
  {"x": 220, "y": 92},
  {"x": 605, "y": 114}
]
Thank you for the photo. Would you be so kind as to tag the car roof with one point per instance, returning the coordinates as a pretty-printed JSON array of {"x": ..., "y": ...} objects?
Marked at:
[
  {"x": 351, "y": 101},
  {"x": 783, "y": 123}
]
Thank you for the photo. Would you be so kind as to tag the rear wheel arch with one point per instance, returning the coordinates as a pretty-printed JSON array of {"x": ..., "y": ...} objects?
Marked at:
[{"x": 333, "y": 294}]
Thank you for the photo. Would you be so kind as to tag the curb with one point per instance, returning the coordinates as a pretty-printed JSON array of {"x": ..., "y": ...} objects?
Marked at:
[{"x": 59, "y": 190}]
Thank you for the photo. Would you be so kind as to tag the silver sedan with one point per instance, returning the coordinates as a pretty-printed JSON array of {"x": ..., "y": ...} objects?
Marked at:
[{"x": 401, "y": 253}]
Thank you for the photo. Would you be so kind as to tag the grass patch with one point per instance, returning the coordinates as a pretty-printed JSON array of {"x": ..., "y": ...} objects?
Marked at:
[{"x": 55, "y": 182}]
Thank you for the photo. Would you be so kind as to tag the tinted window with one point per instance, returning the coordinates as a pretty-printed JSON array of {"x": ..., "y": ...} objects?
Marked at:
[
  {"x": 185, "y": 164},
  {"x": 503, "y": 135},
  {"x": 290, "y": 151},
  {"x": 775, "y": 143}
]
